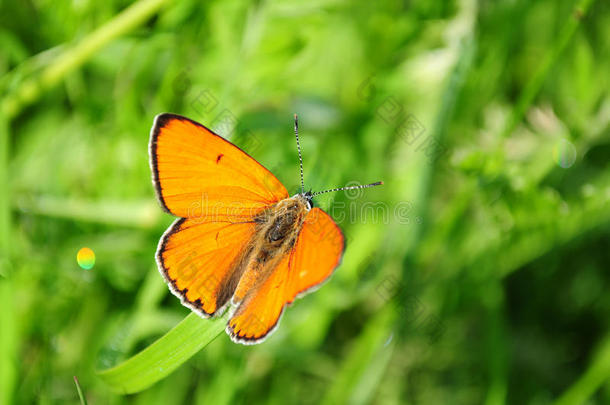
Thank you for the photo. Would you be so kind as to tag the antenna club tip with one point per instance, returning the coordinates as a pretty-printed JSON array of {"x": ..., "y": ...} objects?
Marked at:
[{"x": 380, "y": 183}]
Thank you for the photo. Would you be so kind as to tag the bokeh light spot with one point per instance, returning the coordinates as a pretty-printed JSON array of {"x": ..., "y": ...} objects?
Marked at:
[
  {"x": 564, "y": 153},
  {"x": 85, "y": 258}
]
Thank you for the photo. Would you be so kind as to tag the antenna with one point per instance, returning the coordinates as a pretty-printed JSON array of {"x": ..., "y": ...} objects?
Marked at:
[
  {"x": 296, "y": 133},
  {"x": 378, "y": 183}
]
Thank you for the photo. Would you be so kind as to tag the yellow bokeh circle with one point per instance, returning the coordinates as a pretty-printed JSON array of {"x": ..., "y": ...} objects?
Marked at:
[{"x": 85, "y": 258}]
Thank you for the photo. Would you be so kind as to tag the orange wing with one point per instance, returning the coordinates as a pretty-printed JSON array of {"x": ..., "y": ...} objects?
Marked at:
[
  {"x": 316, "y": 254},
  {"x": 198, "y": 174},
  {"x": 198, "y": 261}
]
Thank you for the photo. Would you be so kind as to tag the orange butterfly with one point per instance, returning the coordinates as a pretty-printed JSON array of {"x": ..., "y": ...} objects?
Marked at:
[{"x": 240, "y": 239}]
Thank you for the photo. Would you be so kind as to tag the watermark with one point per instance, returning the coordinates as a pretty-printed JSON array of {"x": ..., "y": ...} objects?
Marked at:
[
  {"x": 564, "y": 154},
  {"x": 412, "y": 313},
  {"x": 253, "y": 322},
  {"x": 212, "y": 209},
  {"x": 189, "y": 275},
  {"x": 222, "y": 120},
  {"x": 367, "y": 89},
  {"x": 410, "y": 309},
  {"x": 319, "y": 229},
  {"x": 200, "y": 287},
  {"x": 407, "y": 127},
  {"x": 499, "y": 194}
]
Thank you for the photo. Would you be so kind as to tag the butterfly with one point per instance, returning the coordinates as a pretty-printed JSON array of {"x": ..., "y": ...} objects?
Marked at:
[{"x": 241, "y": 242}]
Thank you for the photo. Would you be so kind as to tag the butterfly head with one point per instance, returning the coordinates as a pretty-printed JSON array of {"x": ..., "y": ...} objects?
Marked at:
[
  {"x": 308, "y": 196},
  {"x": 305, "y": 198}
]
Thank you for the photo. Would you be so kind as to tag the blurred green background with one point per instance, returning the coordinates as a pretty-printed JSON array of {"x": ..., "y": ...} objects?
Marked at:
[{"x": 478, "y": 274}]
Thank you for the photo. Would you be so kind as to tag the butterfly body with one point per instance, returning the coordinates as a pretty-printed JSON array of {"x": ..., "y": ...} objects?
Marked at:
[
  {"x": 240, "y": 241},
  {"x": 277, "y": 230}
]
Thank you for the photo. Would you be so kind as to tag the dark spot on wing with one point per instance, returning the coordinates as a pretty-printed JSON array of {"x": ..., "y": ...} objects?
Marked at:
[{"x": 218, "y": 158}]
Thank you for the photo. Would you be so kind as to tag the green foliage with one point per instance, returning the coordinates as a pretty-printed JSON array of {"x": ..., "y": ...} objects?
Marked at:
[{"x": 474, "y": 275}]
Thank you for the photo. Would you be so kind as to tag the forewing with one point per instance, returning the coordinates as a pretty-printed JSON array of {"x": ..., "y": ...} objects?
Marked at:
[{"x": 199, "y": 174}]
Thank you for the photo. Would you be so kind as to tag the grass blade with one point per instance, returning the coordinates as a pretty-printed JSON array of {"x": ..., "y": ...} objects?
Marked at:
[
  {"x": 30, "y": 90},
  {"x": 163, "y": 356},
  {"x": 9, "y": 342},
  {"x": 597, "y": 373},
  {"x": 81, "y": 396},
  {"x": 138, "y": 214},
  {"x": 533, "y": 86}
]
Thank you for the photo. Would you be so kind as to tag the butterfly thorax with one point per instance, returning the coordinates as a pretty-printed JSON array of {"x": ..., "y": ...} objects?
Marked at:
[
  {"x": 280, "y": 224},
  {"x": 277, "y": 233}
]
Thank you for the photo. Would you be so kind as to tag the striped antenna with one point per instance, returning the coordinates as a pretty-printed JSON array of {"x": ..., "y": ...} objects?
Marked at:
[
  {"x": 296, "y": 134},
  {"x": 378, "y": 183}
]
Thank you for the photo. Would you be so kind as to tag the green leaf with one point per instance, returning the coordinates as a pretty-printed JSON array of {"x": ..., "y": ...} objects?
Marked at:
[{"x": 162, "y": 357}]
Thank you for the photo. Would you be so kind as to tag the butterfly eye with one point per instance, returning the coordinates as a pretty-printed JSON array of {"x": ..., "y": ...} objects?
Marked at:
[{"x": 309, "y": 200}]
